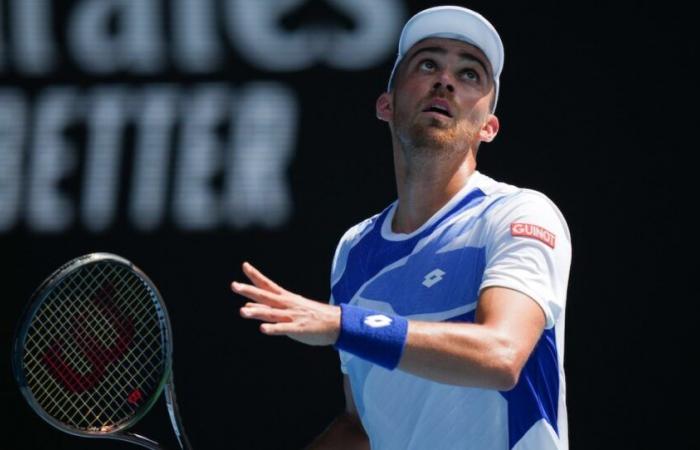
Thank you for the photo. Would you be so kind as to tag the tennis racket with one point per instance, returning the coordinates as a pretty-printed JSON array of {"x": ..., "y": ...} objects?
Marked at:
[{"x": 93, "y": 350}]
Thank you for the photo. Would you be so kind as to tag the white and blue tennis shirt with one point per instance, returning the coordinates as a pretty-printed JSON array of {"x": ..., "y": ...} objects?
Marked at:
[{"x": 488, "y": 234}]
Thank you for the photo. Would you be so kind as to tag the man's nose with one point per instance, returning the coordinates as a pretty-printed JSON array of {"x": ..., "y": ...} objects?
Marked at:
[{"x": 444, "y": 81}]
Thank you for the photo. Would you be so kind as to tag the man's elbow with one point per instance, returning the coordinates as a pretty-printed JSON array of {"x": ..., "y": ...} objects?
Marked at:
[
  {"x": 507, "y": 379},
  {"x": 507, "y": 370}
]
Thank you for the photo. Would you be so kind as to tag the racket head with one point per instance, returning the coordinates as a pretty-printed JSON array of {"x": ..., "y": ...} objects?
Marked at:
[{"x": 93, "y": 349}]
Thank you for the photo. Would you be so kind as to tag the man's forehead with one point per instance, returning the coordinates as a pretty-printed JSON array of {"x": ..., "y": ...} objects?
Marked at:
[{"x": 450, "y": 44}]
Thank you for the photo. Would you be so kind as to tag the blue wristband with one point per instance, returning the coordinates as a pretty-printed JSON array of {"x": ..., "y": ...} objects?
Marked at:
[{"x": 371, "y": 335}]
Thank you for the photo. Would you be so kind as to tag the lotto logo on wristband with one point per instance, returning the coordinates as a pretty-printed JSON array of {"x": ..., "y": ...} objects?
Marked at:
[
  {"x": 371, "y": 335},
  {"x": 377, "y": 321}
]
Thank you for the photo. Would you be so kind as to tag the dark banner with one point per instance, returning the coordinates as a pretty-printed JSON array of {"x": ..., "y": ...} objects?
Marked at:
[
  {"x": 189, "y": 114},
  {"x": 191, "y": 135}
]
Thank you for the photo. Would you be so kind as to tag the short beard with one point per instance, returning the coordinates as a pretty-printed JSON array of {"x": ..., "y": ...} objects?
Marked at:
[{"x": 435, "y": 141}]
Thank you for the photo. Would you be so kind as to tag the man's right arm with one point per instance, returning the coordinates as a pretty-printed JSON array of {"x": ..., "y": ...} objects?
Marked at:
[{"x": 346, "y": 431}]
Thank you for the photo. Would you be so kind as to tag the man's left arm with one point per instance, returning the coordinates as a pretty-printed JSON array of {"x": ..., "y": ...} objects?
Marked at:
[
  {"x": 522, "y": 292},
  {"x": 488, "y": 353}
]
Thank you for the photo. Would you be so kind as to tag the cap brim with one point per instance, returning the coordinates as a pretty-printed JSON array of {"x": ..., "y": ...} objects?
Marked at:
[{"x": 453, "y": 22}]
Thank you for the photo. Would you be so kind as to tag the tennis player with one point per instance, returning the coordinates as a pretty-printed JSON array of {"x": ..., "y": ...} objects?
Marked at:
[{"x": 447, "y": 307}]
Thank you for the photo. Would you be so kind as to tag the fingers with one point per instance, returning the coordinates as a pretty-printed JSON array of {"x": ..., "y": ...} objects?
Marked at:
[
  {"x": 258, "y": 295},
  {"x": 264, "y": 313},
  {"x": 261, "y": 280},
  {"x": 279, "y": 323},
  {"x": 279, "y": 329}
]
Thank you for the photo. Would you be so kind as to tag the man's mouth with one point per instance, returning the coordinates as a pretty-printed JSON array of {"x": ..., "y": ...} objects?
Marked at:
[{"x": 439, "y": 106}]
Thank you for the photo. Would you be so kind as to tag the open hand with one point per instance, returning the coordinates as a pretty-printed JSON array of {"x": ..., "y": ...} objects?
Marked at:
[{"x": 286, "y": 313}]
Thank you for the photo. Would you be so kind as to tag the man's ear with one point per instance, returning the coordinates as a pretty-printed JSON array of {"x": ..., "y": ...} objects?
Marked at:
[
  {"x": 489, "y": 129},
  {"x": 385, "y": 108}
]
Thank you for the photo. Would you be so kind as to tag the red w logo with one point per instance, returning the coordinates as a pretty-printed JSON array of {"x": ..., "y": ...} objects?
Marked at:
[{"x": 97, "y": 354}]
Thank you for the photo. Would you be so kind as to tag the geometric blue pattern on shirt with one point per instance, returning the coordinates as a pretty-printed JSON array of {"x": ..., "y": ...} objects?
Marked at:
[
  {"x": 369, "y": 256},
  {"x": 360, "y": 369},
  {"x": 403, "y": 288},
  {"x": 536, "y": 396}
]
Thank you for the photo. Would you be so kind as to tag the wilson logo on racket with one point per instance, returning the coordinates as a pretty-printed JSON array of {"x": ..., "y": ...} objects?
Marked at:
[
  {"x": 97, "y": 354},
  {"x": 93, "y": 350}
]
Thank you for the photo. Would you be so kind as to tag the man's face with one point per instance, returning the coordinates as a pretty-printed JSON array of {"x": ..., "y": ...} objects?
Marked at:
[{"x": 442, "y": 94}]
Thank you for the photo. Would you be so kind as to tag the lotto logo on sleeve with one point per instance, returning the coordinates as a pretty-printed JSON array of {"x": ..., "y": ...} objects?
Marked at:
[{"x": 532, "y": 231}]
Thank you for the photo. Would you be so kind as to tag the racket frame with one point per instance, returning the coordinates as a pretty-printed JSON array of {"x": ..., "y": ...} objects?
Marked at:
[{"x": 166, "y": 381}]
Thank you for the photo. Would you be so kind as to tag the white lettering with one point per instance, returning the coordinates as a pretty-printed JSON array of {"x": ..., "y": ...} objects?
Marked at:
[
  {"x": 51, "y": 159},
  {"x": 264, "y": 138},
  {"x": 254, "y": 29},
  {"x": 533, "y": 231},
  {"x": 230, "y": 167},
  {"x": 155, "y": 124},
  {"x": 105, "y": 120},
  {"x": 376, "y": 26},
  {"x": 196, "y": 48},
  {"x": 116, "y": 36},
  {"x": 13, "y": 128},
  {"x": 136, "y": 46},
  {"x": 32, "y": 39},
  {"x": 195, "y": 205}
]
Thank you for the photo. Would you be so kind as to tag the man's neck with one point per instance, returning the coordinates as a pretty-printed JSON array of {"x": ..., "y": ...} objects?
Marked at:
[{"x": 426, "y": 186}]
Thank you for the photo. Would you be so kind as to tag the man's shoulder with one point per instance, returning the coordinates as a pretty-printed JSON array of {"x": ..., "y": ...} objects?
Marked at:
[
  {"x": 349, "y": 239},
  {"x": 514, "y": 204},
  {"x": 358, "y": 230},
  {"x": 493, "y": 188},
  {"x": 510, "y": 196}
]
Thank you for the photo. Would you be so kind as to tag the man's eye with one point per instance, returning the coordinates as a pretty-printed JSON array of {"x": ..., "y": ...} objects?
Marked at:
[
  {"x": 428, "y": 64},
  {"x": 470, "y": 74}
]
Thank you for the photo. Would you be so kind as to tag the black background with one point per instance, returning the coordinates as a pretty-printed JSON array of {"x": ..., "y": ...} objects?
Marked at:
[{"x": 597, "y": 110}]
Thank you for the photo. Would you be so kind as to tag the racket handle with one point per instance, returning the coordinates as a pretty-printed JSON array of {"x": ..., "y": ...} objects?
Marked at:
[
  {"x": 174, "y": 412},
  {"x": 135, "y": 439}
]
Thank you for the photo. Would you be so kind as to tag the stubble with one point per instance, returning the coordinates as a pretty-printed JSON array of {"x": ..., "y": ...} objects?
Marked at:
[{"x": 434, "y": 138}]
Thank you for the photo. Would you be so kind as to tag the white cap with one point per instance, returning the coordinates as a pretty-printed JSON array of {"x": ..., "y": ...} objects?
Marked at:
[{"x": 453, "y": 22}]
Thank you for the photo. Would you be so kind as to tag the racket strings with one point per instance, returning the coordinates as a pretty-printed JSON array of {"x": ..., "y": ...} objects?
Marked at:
[
  {"x": 94, "y": 352},
  {"x": 106, "y": 406}
]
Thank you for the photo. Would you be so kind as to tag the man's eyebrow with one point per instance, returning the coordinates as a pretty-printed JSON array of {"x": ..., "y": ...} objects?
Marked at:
[
  {"x": 470, "y": 57},
  {"x": 442, "y": 51},
  {"x": 439, "y": 50}
]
